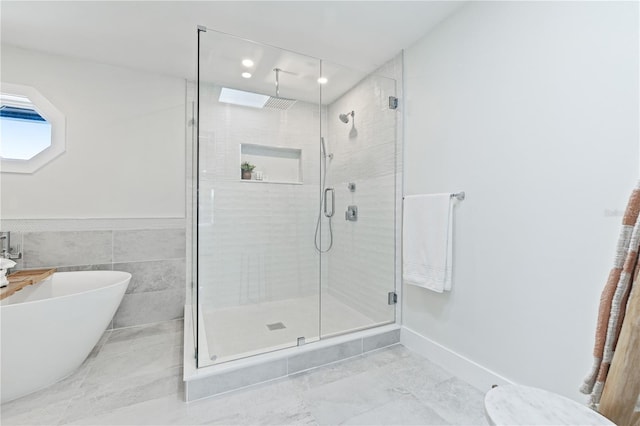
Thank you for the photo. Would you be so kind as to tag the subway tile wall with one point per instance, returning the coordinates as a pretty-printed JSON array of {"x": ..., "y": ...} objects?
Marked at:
[
  {"x": 367, "y": 152},
  {"x": 256, "y": 239},
  {"x": 154, "y": 257},
  {"x": 258, "y": 246}
]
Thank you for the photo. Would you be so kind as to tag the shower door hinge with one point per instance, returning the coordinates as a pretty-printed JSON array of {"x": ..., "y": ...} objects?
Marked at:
[
  {"x": 393, "y": 102},
  {"x": 392, "y": 298}
]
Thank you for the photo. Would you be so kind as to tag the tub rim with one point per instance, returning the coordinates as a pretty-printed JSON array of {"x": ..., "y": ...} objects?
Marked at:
[{"x": 126, "y": 276}]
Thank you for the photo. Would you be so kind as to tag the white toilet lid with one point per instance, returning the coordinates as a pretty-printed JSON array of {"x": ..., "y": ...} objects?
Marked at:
[{"x": 523, "y": 405}]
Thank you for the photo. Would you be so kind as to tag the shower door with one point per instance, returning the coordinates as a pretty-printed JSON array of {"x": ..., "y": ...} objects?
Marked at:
[
  {"x": 258, "y": 192},
  {"x": 358, "y": 271},
  {"x": 295, "y": 198}
]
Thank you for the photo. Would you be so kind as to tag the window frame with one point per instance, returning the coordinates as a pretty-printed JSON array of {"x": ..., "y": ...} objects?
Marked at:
[{"x": 58, "y": 131}]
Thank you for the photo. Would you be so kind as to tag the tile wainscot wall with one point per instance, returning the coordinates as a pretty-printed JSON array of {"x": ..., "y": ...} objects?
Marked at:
[{"x": 154, "y": 257}]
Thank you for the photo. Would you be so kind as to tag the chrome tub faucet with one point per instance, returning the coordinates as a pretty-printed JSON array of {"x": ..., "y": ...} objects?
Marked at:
[{"x": 8, "y": 252}]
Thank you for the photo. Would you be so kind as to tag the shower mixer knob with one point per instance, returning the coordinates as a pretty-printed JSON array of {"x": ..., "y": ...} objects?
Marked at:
[{"x": 351, "y": 214}]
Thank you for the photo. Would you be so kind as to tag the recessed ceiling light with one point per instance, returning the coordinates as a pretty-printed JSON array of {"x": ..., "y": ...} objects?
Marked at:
[
  {"x": 247, "y": 63},
  {"x": 323, "y": 80},
  {"x": 246, "y": 74}
]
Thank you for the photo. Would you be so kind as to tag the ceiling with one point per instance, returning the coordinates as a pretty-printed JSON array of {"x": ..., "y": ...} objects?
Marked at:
[{"x": 160, "y": 36}]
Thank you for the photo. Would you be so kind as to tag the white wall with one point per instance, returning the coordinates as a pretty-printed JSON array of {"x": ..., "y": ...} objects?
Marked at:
[
  {"x": 532, "y": 109},
  {"x": 125, "y": 142}
]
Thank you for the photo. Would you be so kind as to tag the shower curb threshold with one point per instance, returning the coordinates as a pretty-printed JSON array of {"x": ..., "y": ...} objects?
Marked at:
[{"x": 217, "y": 379}]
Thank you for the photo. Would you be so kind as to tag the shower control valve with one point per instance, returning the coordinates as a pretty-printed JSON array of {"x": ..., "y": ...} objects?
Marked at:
[{"x": 351, "y": 214}]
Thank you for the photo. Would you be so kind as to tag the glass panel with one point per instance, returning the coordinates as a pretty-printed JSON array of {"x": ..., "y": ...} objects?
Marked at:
[
  {"x": 258, "y": 178},
  {"x": 24, "y": 132},
  {"x": 359, "y": 269}
]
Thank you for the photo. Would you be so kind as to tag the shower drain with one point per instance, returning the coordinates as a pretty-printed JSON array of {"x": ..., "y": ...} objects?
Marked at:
[{"x": 276, "y": 326}]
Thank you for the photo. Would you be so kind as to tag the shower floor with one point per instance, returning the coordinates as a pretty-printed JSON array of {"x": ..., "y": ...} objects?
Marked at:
[{"x": 247, "y": 330}]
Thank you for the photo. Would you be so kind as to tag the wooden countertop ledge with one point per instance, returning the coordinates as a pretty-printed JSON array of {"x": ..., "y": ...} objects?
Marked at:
[{"x": 21, "y": 279}]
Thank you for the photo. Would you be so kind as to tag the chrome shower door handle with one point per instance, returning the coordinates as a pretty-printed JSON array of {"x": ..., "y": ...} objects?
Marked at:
[{"x": 333, "y": 202}]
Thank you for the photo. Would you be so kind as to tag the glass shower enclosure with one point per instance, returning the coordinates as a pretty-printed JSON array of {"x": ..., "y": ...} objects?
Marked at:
[{"x": 294, "y": 199}]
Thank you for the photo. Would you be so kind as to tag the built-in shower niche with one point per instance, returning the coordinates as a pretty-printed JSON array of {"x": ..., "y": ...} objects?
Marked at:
[{"x": 274, "y": 164}]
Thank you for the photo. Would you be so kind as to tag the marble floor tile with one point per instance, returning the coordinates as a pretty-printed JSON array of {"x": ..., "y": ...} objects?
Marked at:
[
  {"x": 291, "y": 410},
  {"x": 406, "y": 410},
  {"x": 46, "y": 406},
  {"x": 343, "y": 399},
  {"x": 49, "y": 414},
  {"x": 167, "y": 410},
  {"x": 267, "y": 402},
  {"x": 107, "y": 369},
  {"x": 135, "y": 339},
  {"x": 454, "y": 400},
  {"x": 414, "y": 374},
  {"x": 253, "y": 395},
  {"x": 134, "y": 377},
  {"x": 331, "y": 373},
  {"x": 102, "y": 398}
]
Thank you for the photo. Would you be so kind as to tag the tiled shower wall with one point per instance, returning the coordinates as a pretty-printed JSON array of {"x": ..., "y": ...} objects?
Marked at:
[
  {"x": 154, "y": 257},
  {"x": 258, "y": 245},
  {"x": 367, "y": 152}
]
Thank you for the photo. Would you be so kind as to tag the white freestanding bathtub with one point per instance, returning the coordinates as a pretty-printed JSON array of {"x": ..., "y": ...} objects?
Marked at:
[{"x": 48, "y": 329}]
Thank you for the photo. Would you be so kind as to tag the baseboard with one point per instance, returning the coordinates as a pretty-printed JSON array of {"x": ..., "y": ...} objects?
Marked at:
[{"x": 470, "y": 371}]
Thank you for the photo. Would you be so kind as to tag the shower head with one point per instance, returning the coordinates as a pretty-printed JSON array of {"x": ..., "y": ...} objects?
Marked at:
[
  {"x": 345, "y": 117},
  {"x": 277, "y": 102}
]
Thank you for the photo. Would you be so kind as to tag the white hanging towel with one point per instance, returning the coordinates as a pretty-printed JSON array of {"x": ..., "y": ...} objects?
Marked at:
[{"x": 427, "y": 241}]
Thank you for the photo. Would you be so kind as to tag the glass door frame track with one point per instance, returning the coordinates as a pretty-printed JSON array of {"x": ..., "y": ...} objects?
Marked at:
[{"x": 195, "y": 257}]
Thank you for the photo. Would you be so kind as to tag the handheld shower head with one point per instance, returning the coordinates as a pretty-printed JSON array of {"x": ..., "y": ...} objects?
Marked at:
[
  {"x": 345, "y": 117},
  {"x": 325, "y": 154}
]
